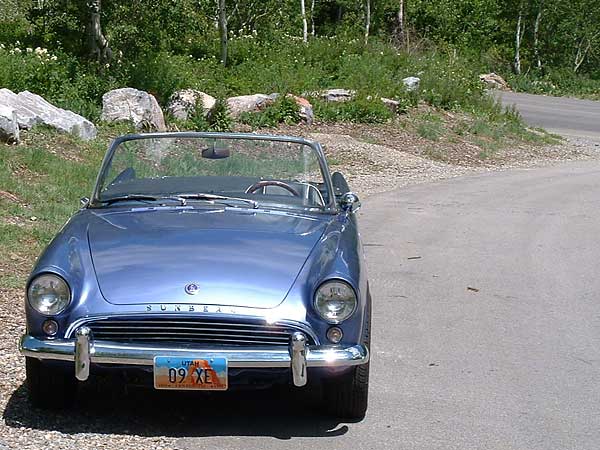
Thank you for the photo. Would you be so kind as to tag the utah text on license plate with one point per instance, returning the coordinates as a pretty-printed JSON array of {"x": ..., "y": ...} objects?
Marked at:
[{"x": 188, "y": 373}]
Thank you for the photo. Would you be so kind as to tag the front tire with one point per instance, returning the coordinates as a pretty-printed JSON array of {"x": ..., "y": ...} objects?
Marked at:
[
  {"x": 347, "y": 396},
  {"x": 49, "y": 387}
]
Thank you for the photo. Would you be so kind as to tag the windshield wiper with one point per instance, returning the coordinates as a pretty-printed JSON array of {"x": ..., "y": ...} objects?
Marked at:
[
  {"x": 129, "y": 197},
  {"x": 216, "y": 198},
  {"x": 142, "y": 198}
]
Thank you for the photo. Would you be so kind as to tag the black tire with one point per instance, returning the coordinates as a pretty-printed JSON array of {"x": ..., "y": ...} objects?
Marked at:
[
  {"x": 347, "y": 396},
  {"x": 49, "y": 387}
]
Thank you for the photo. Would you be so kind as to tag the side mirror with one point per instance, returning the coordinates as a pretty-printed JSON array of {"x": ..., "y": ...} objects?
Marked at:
[
  {"x": 350, "y": 202},
  {"x": 84, "y": 202}
]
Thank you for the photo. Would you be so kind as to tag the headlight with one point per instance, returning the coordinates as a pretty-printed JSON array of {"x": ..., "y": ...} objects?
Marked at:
[
  {"x": 49, "y": 294},
  {"x": 335, "y": 301}
]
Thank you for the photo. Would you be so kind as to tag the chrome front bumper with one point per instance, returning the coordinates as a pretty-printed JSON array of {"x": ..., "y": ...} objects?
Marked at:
[{"x": 84, "y": 350}]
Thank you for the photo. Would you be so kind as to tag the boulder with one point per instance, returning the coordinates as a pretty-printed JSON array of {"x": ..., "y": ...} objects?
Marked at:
[
  {"x": 305, "y": 107},
  {"x": 182, "y": 104},
  {"x": 9, "y": 127},
  {"x": 138, "y": 107},
  {"x": 338, "y": 95},
  {"x": 391, "y": 104},
  {"x": 25, "y": 118},
  {"x": 248, "y": 103},
  {"x": 31, "y": 109},
  {"x": 494, "y": 81},
  {"x": 411, "y": 83}
]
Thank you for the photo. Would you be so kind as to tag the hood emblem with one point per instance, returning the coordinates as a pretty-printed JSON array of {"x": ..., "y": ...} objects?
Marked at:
[{"x": 192, "y": 289}]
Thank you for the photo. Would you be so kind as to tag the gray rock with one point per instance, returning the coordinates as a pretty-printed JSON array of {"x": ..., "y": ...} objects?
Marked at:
[
  {"x": 61, "y": 119},
  {"x": 494, "y": 81},
  {"x": 9, "y": 127},
  {"x": 138, "y": 107},
  {"x": 33, "y": 110},
  {"x": 248, "y": 103},
  {"x": 25, "y": 118},
  {"x": 391, "y": 104},
  {"x": 305, "y": 107},
  {"x": 338, "y": 95},
  {"x": 183, "y": 103},
  {"x": 411, "y": 83}
]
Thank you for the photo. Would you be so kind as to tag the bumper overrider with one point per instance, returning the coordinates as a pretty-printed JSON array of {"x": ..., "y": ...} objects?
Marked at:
[{"x": 84, "y": 350}]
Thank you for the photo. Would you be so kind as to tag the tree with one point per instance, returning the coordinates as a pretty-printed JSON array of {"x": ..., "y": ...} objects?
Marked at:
[
  {"x": 518, "y": 38},
  {"x": 223, "y": 31},
  {"x": 536, "y": 35},
  {"x": 97, "y": 43},
  {"x": 367, "y": 20},
  {"x": 399, "y": 31},
  {"x": 304, "y": 22}
]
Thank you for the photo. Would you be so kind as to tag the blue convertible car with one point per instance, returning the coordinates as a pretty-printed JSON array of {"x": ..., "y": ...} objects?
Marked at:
[{"x": 205, "y": 261}]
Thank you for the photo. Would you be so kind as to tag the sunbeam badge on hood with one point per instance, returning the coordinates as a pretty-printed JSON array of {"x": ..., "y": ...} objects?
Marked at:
[{"x": 192, "y": 288}]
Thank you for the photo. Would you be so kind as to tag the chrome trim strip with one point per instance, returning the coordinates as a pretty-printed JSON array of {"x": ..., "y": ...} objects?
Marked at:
[
  {"x": 106, "y": 352},
  {"x": 305, "y": 328}
]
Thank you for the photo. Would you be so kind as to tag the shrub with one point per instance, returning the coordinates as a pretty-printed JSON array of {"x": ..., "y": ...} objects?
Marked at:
[
  {"x": 284, "y": 110},
  {"x": 219, "y": 118},
  {"x": 360, "y": 110}
]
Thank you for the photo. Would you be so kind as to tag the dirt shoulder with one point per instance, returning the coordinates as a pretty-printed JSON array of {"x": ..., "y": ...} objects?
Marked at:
[{"x": 380, "y": 158}]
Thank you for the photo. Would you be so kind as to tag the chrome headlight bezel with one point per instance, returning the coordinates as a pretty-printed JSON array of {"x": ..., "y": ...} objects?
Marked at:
[
  {"x": 49, "y": 294},
  {"x": 335, "y": 290}
]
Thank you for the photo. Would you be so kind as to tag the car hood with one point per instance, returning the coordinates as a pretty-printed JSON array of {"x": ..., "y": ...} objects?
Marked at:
[{"x": 236, "y": 257}]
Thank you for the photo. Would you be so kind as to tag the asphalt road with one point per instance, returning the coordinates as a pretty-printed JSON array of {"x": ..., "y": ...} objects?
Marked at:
[
  {"x": 566, "y": 116},
  {"x": 486, "y": 323}
]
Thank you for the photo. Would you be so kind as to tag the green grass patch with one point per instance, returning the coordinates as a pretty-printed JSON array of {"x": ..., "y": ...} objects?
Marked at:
[
  {"x": 48, "y": 174},
  {"x": 430, "y": 126}
]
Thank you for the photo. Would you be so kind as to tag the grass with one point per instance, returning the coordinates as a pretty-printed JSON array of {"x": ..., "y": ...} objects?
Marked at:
[
  {"x": 430, "y": 126},
  {"x": 41, "y": 183},
  {"x": 561, "y": 83}
]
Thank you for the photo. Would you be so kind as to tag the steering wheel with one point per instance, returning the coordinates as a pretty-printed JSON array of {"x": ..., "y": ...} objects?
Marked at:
[{"x": 261, "y": 184}]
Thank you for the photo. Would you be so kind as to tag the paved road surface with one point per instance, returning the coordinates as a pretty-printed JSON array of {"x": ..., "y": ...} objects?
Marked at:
[
  {"x": 561, "y": 115},
  {"x": 489, "y": 339}
]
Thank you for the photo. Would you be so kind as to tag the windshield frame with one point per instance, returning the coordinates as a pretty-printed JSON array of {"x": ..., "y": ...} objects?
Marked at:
[{"x": 330, "y": 207}]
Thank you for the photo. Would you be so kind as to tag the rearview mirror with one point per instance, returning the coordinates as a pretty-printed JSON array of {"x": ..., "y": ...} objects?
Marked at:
[
  {"x": 215, "y": 152},
  {"x": 350, "y": 202}
]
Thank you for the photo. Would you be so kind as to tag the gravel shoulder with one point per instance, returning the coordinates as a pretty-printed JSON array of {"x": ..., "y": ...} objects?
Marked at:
[
  {"x": 374, "y": 160},
  {"x": 380, "y": 159}
]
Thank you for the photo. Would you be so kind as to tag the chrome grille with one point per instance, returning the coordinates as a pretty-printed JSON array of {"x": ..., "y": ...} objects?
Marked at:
[{"x": 210, "y": 332}]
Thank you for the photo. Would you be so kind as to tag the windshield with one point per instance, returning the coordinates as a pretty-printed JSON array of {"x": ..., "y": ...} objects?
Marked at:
[{"x": 233, "y": 171}]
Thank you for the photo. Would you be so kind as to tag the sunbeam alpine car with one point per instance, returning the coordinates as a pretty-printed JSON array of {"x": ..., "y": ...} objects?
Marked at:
[{"x": 207, "y": 262}]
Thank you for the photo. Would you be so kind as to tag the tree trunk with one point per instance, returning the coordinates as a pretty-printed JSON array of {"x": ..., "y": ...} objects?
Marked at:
[
  {"x": 367, "y": 20},
  {"x": 518, "y": 37},
  {"x": 96, "y": 41},
  {"x": 536, "y": 40},
  {"x": 399, "y": 32},
  {"x": 304, "y": 22},
  {"x": 223, "y": 30},
  {"x": 312, "y": 18}
]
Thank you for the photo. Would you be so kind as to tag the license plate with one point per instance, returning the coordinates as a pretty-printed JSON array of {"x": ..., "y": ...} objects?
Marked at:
[{"x": 190, "y": 374}]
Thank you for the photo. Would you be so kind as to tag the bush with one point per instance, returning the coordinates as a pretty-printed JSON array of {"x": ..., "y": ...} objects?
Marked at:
[
  {"x": 360, "y": 110},
  {"x": 284, "y": 110},
  {"x": 219, "y": 118}
]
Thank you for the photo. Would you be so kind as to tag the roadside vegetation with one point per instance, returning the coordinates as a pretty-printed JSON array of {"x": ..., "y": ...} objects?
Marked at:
[{"x": 270, "y": 46}]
